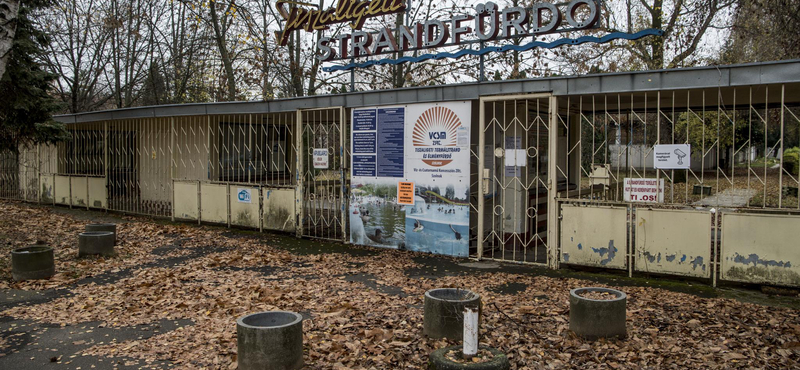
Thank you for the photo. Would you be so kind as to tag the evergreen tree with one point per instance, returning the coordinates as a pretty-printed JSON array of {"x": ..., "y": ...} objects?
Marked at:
[{"x": 26, "y": 107}]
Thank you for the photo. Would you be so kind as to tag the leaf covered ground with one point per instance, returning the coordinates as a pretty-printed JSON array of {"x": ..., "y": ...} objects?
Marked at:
[{"x": 363, "y": 306}]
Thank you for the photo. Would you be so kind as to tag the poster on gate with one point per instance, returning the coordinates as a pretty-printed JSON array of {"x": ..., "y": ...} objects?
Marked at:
[{"x": 410, "y": 177}]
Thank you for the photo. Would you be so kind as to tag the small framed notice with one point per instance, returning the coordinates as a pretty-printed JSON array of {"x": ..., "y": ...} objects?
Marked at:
[
  {"x": 321, "y": 158},
  {"x": 672, "y": 157},
  {"x": 405, "y": 193}
]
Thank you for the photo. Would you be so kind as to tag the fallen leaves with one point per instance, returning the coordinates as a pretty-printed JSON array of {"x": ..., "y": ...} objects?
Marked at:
[{"x": 354, "y": 324}]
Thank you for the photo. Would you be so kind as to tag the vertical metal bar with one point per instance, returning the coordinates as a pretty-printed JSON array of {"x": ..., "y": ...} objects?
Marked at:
[
  {"x": 172, "y": 165},
  {"x": 658, "y": 141},
  {"x": 343, "y": 200},
  {"x": 300, "y": 175},
  {"x": 552, "y": 177},
  {"x": 481, "y": 176},
  {"x": 780, "y": 169},
  {"x": 105, "y": 163},
  {"x": 38, "y": 173}
]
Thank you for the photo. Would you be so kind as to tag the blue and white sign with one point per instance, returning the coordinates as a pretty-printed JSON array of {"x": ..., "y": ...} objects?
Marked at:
[{"x": 244, "y": 195}]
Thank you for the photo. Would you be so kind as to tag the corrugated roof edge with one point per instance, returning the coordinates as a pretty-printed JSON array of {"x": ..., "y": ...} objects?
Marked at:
[{"x": 763, "y": 73}]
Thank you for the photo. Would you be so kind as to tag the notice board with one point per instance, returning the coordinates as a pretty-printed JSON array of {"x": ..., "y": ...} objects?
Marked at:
[{"x": 410, "y": 177}]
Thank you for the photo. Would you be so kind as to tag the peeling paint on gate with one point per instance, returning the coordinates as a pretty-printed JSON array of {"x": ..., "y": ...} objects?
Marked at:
[
  {"x": 673, "y": 242},
  {"x": 591, "y": 235},
  {"x": 760, "y": 248},
  {"x": 611, "y": 251},
  {"x": 755, "y": 260}
]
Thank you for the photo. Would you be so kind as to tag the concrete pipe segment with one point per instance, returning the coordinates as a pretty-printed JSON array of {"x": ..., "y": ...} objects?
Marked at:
[
  {"x": 597, "y": 318},
  {"x": 96, "y": 242},
  {"x": 270, "y": 340},
  {"x": 439, "y": 361},
  {"x": 103, "y": 227},
  {"x": 444, "y": 312},
  {"x": 32, "y": 263}
]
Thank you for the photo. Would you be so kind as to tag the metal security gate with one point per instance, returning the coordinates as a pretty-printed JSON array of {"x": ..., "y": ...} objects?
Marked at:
[
  {"x": 324, "y": 181},
  {"x": 515, "y": 189}
]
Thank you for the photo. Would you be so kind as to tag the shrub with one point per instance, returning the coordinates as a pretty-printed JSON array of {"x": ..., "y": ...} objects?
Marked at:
[{"x": 791, "y": 160}]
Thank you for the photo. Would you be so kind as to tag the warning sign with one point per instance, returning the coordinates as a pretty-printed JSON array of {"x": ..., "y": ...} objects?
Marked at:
[
  {"x": 644, "y": 190},
  {"x": 405, "y": 193}
]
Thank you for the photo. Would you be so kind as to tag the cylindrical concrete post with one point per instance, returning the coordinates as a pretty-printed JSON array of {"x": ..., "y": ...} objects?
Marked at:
[
  {"x": 444, "y": 312},
  {"x": 96, "y": 242},
  {"x": 270, "y": 340},
  {"x": 103, "y": 227},
  {"x": 597, "y": 318},
  {"x": 32, "y": 263}
]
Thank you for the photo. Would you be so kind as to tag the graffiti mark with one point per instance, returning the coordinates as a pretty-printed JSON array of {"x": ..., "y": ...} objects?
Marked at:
[
  {"x": 755, "y": 260},
  {"x": 580, "y": 247},
  {"x": 566, "y": 257},
  {"x": 671, "y": 257}
]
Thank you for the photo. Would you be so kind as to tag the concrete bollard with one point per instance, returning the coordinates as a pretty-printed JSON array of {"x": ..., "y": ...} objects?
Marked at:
[
  {"x": 270, "y": 340},
  {"x": 96, "y": 242},
  {"x": 103, "y": 227},
  {"x": 32, "y": 263},
  {"x": 597, "y": 318},
  {"x": 444, "y": 312}
]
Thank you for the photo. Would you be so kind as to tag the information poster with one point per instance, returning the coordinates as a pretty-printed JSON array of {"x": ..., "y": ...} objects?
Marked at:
[{"x": 410, "y": 177}]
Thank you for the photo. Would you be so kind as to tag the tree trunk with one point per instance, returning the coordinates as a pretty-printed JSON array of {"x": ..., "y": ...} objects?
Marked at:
[
  {"x": 398, "y": 72},
  {"x": 223, "y": 51},
  {"x": 9, "y": 9},
  {"x": 657, "y": 48}
]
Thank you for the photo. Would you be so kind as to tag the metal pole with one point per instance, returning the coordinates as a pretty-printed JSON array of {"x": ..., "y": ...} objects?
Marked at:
[
  {"x": 552, "y": 179},
  {"x": 482, "y": 76},
  {"x": 172, "y": 164},
  {"x": 481, "y": 176},
  {"x": 352, "y": 76},
  {"x": 299, "y": 200}
]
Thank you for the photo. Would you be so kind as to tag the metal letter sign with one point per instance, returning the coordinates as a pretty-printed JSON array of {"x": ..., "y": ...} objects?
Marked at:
[{"x": 487, "y": 23}]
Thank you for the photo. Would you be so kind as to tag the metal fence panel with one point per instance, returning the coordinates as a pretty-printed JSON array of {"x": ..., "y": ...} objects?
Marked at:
[
  {"x": 245, "y": 206},
  {"x": 673, "y": 242},
  {"x": 760, "y": 248},
  {"x": 98, "y": 197},
  {"x": 279, "y": 209},
  {"x": 214, "y": 203},
  {"x": 186, "y": 200},
  {"x": 79, "y": 188},
  {"x": 594, "y": 236}
]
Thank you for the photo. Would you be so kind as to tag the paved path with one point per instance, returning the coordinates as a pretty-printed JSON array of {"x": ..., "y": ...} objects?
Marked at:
[{"x": 728, "y": 198}]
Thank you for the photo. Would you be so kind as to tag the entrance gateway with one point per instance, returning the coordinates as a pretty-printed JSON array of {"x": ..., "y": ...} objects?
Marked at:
[{"x": 461, "y": 178}]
